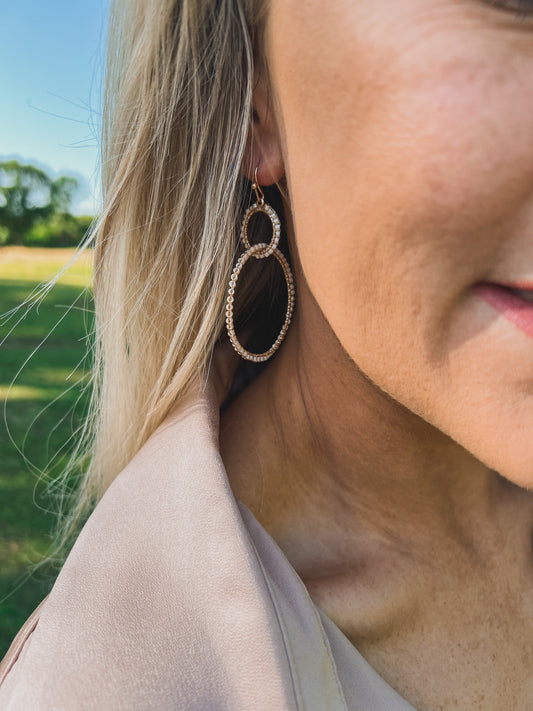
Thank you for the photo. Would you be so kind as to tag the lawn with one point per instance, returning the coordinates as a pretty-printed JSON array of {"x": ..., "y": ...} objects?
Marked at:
[{"x": 42, "y": 367}]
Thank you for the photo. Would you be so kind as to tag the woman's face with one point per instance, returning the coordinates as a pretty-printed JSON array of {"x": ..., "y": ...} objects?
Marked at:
[{"x": 407, "y": 135}]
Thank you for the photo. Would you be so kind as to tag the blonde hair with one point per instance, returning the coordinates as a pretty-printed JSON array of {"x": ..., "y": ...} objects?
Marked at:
[{"x": 176, "y": 119}]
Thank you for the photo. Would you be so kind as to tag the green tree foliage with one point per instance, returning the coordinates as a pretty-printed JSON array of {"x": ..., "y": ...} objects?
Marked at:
[
  {"x": 61, "y": 192},
  {"x": 60, "y": 230},
  {"x": 29, "y": 197}
]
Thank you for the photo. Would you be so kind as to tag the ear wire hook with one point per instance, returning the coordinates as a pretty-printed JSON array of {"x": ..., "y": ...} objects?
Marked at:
[{"x": 259, "y": 194}]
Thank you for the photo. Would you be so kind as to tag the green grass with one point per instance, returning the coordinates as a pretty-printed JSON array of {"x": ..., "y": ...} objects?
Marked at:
[{"x": 48, "y": 347}]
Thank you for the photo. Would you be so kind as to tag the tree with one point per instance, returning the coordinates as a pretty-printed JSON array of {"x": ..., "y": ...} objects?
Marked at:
[
  {"x": 61, "y": 193},
  {"x": 28, "y": 195},
  {"x": 60, "y": 230}
]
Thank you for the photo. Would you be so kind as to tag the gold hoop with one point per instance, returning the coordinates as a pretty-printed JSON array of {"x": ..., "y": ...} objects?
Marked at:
[{"x": 259, "y": 252}]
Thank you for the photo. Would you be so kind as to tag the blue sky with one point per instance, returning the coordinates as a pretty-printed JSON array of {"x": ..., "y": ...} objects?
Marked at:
[{"x": 52, "y": 54}]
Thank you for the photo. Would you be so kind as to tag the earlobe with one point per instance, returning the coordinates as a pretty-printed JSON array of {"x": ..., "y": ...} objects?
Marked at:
[{"x": 263, "y": 150}]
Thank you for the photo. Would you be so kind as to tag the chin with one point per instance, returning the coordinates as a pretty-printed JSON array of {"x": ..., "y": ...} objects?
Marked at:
[
  {"x": 513, "y": 459},
  {"x": 520, "y": 476}
]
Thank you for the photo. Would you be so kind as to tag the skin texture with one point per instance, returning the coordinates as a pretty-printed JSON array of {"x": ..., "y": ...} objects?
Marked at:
[{"x": 388, "y": 443}]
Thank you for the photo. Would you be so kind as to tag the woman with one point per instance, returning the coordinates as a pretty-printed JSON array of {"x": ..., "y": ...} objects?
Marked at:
[{"x": 346, "y": 521}]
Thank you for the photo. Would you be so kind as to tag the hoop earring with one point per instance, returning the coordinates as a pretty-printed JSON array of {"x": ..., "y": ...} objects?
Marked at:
[{"x": 259, "y": 251}]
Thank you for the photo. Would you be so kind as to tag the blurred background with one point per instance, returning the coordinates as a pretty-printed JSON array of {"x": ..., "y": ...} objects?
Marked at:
[{"x": 52, "y": 54}]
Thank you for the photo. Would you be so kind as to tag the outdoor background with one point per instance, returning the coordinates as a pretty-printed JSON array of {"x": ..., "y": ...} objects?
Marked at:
[{"x": 50, "y": 90}]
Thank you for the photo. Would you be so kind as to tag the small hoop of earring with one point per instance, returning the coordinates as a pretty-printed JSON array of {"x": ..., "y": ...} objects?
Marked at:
[{"x": 259, "y": 251}]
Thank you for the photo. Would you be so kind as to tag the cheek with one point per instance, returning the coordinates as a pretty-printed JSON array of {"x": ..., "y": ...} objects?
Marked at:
[
  {"x": 409, "y": 157},
  {"x": 420, "y": 171}
]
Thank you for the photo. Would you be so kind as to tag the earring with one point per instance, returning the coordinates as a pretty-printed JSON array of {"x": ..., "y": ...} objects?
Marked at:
[{"x": 259, "y": 251}]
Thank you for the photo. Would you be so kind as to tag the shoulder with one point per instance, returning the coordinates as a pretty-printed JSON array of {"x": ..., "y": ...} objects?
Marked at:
[
  {"x": 160, "y": 603},
  {"x": 19, "y": 644}
]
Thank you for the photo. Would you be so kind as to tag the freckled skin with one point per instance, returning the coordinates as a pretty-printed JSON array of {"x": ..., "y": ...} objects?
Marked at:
[{"x": 388, "y": 445}]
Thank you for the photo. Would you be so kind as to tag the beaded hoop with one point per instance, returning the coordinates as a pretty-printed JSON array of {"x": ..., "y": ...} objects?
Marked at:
[
  {"x": 259, "y": 251},
  {"x": 274, "y": 219}
]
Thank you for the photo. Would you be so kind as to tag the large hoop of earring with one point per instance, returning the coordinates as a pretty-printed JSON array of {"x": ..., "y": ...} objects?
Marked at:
[{"x": 259, "y": 251}]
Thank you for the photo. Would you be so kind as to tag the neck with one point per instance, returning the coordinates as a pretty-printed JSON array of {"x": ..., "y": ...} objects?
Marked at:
[{"x": 329, "y": 452}]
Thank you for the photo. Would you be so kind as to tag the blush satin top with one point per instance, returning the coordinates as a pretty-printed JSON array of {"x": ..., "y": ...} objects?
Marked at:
[{"x": 175, "y": 597}]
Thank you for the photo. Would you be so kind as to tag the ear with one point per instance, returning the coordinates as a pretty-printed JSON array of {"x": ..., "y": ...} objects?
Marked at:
[{"x": 263, "y": 149}]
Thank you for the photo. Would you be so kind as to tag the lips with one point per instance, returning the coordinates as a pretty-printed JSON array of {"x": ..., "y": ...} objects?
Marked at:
[
  {"x": 523, "y": 294},
  {"x": 513, "y": 302}
]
